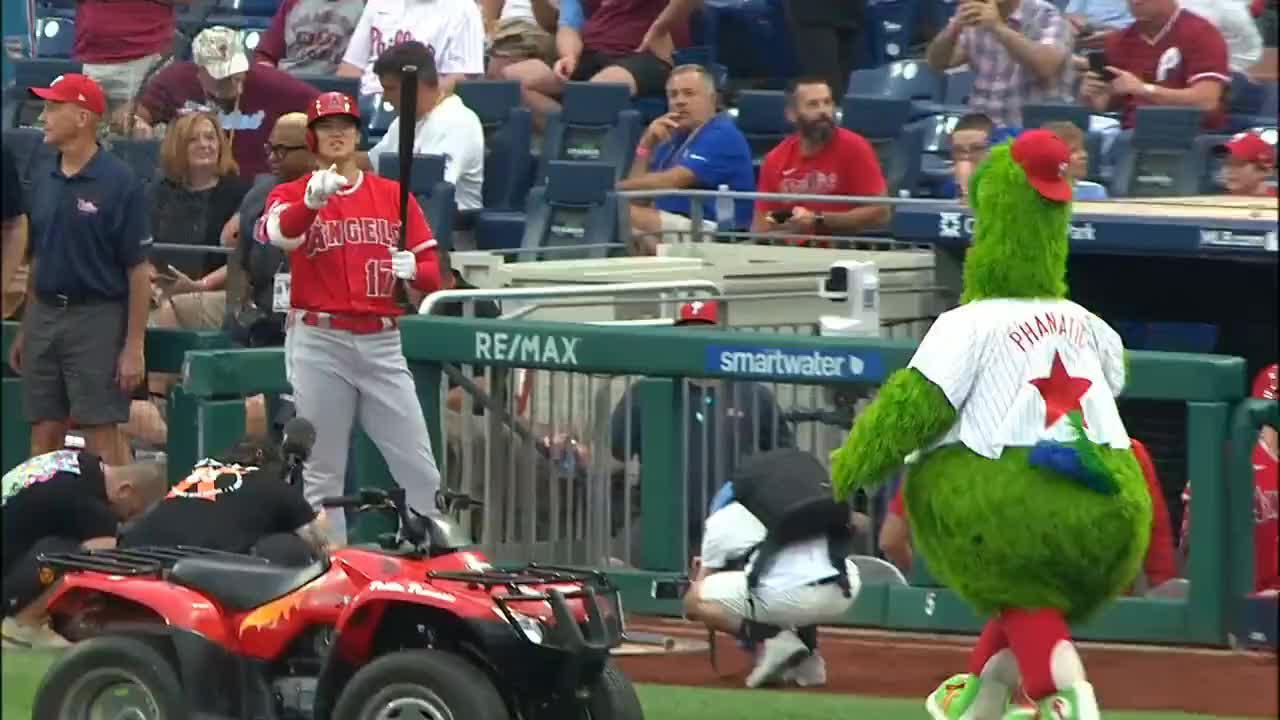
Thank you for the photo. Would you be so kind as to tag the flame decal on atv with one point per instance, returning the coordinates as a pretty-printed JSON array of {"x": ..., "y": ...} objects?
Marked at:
[{"x": 271, "y": 614}]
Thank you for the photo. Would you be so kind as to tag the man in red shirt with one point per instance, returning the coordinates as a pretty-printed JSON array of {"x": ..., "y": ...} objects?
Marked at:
[
  {"x": 1266, "y": 495},
  {"x": 1249, "y": 161},
  {"x": 820, "y": 158},
  {"x": 247, "y": 99},
  {"x": 341, "y": 230},
  {"x": 1168, "y": 56}
]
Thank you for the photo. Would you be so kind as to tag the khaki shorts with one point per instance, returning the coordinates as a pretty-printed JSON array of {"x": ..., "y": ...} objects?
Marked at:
[
  {"x": 674, "y": 225},
  {"x": 520, "y": 39},
  {"x": 200, "y": 310},
  {"x": 791, "y": 608},
  {"x": 120, "y": 81}
]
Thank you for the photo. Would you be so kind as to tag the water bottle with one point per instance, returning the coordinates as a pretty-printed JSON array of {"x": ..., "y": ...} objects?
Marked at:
[{"x": 724, "y": 211}]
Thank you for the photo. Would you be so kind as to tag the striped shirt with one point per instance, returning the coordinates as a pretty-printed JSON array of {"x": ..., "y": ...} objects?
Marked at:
[
  {"x": 1013, "y": 369},
  {"x": 1001, "y": 84}
]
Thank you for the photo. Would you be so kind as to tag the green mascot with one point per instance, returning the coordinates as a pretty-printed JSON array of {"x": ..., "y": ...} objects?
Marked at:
[{"x": 1022, "y": 492}]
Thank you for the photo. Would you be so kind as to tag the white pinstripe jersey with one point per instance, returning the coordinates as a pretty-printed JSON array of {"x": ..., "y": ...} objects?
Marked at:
[{"x": 1013, "y": 369}]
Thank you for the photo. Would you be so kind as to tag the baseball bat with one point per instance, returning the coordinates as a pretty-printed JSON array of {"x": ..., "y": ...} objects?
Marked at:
[{"x": 408, "y": 124}]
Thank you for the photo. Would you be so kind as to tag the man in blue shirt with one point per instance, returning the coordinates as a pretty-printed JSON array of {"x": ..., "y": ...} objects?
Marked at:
[
  {"x": 691, "y": 147},
  {"x": 80, "y": 347}
]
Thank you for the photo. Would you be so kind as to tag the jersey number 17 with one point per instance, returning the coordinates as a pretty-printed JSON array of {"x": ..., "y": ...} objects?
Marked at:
[{"x": 379, "y": 280}]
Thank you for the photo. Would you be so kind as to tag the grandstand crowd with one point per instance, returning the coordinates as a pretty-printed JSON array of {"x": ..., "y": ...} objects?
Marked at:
[{"x": 134, "y": 122}]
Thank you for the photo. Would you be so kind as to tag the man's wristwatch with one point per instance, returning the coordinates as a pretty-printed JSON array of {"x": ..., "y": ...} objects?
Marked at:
[{"x": 1148, "y": 89}]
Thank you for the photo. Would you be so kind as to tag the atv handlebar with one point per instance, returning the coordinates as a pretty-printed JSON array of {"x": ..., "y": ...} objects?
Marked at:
[{"x": 414, "y": 528}]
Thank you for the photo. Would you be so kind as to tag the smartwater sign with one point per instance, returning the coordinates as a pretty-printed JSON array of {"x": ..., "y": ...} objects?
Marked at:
[{"x": 757, "y": 361}]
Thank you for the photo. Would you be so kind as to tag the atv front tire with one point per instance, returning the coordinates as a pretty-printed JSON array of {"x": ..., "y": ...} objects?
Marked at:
[
  {"x": 124, "y": 672},
  {"x": 613, "y": 697},
  {"x": 434, "y": 683}
]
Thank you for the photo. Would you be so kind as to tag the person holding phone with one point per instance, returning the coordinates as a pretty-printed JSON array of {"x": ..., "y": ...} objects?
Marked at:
[
  {"x": 1019, "y": 51},
  {"x": 820, "y": 158},
  {"x": 1091, "y": 20},
  {"x": 1168, "y": 56}
]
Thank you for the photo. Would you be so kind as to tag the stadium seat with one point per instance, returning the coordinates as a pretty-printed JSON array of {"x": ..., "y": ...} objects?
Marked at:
[
  {"x": 141, "y": 155},
  {"x": 577, "y": 206},
  {"x": 595, "y": 124},
  {"x": 936, "y": 167},
  {"x": 1251, "y": 104},
  {"x": 428, "y": 185},
  {"x": 890, "y": 25},
  {"x": 907, "y": 79},
  {"x": 762, "y": 118},
  {"x": 55, "y": 37},
  {"x": 508, "y": 140},
  {"x": 1152, "y": 159},
  {"x": 331, "y": 83},
  {"x": 898, "y": 142},
  {"x": 55, "y": 9},
  {"x": 20, "y": 108},
  {"x": 243, "y": 14},
  {"x": 377, "y": 116},
  {"x": 737, "y": 30}
]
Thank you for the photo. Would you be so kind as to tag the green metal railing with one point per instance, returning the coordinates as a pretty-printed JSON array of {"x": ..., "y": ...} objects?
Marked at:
[{"x": 1212, "y": 387}]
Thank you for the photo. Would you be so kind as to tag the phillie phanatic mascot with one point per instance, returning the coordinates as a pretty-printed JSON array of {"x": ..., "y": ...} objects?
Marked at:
[{"x": 1022, "y": 491}]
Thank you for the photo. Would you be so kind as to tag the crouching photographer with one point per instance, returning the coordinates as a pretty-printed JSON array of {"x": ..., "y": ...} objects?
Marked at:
[{"x": 774, "y": 565}]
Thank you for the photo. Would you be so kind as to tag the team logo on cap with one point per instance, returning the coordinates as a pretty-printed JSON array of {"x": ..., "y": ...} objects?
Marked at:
[{"x": 1062, "y": 169}]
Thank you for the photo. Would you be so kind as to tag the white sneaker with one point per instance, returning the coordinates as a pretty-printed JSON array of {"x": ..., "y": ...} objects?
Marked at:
[
  {"x": 780, "y": 652},
  {"x": 31, "y": 637},
  {"x": 811, "y": 672}
]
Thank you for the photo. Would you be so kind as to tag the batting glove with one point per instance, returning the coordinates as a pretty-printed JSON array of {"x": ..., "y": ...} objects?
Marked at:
[
  {"x": 404, "y": 265},
  {"x": 322, "y": 185}
]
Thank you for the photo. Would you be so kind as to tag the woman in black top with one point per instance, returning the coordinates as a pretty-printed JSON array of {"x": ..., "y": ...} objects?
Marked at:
[{"x": 194, "y": 203}]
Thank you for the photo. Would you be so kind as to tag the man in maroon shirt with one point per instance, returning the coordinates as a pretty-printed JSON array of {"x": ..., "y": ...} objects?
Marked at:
[
  {"x": 1168, "y": 56},
  {"x": 248, "y": 99},
  {"x": 118, "y": 41},
  {"x": 607, "y": 41}
]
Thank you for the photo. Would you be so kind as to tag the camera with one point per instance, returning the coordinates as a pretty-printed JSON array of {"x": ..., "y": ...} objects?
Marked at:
[{"x": 856, "y": 285}]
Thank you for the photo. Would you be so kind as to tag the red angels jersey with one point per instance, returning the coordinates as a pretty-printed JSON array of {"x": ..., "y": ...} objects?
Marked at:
[
  {"x": 1013, "y": 369},
  {"x": 344, "y": 264}
]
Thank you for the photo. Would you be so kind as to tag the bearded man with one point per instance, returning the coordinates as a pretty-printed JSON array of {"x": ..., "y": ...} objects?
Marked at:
[{"x": 819, "y": 159}]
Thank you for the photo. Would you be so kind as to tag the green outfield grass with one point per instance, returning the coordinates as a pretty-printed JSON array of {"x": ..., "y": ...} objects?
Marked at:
[{"x": 22, "y": 672}]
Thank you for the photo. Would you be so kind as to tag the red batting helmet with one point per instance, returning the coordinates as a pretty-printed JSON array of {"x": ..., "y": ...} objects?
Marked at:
[{"x": 326, "y": 104}]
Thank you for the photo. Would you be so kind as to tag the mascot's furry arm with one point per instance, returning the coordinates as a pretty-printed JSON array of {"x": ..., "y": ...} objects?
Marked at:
[{"x": 908, "y": 414}]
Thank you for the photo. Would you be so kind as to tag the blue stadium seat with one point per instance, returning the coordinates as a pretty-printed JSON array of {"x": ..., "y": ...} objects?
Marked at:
[
  {"x": 257, "y": 8},
  {"x": 1250, "y": 104},
  {"x": 736, "y": 30},
  {"x": 433, "y": 193},
  {"x": 887, "y": 124},
  {"x": 906, "y": 79},
  {"x": 20, "y": 108},
  {"x": 508, "y": 140},
  {"x": 331, "y": 83},
  {"x": 956, "y": 87},
  {"x": 377, "y": 116},
  {"x": 141, "y": 155},
  {"x": 55, "y": 37},
  {"x": 938, "y": 13},
  {"x": 595, "y": 124},
  {"x": 762, "y": 118},
  {"x": 577, "y": 206},
  {"x": 891, "y": 24},
  {"x": 243, "y": 14},
  {"x": 55, "y": 9},
  {"x": 1152, "y": 160}
]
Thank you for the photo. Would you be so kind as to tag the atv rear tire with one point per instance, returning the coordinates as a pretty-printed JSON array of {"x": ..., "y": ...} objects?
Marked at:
[
  {"x": 83, "y": 676},
  {"x": 438, "y": 684},
  {"x": 613, "y": 697}
]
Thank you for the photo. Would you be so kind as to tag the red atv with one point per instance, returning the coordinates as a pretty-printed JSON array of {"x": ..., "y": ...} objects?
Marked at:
[{"x": 422, "y": 628}]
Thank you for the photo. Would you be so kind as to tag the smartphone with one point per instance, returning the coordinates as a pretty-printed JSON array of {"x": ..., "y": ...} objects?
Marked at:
[
  {"x": 1098, "y": 65},
  {"x": 780, "y": 216}
]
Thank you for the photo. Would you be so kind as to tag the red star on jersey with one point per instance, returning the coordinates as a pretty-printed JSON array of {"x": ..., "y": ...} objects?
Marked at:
[{"x": 1061, "y": 392}]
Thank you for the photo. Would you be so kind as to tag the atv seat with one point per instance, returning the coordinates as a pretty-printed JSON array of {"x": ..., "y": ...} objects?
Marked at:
[{"x": 240, "y": 585}]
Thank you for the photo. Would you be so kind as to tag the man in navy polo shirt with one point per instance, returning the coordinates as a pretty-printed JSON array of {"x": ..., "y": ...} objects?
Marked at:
[
  {"x": 691, "y": 147},
  {"x": 79, "y": 349}
]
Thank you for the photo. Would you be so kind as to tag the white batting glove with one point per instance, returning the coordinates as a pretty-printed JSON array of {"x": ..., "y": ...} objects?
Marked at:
[
  {"x": 404, "y": 265},
  {"x": 322, "y": 185}
]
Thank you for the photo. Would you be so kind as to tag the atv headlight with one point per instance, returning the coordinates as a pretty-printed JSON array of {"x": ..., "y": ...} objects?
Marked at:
[{"x": 531, "y": 627}]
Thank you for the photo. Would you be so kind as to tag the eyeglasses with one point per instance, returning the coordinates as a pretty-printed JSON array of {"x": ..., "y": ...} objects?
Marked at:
[{"x": 279, "y": 151}]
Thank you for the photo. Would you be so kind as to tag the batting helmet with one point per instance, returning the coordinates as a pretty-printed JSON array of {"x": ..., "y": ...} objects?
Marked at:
[{"x": 326, "y": 104}]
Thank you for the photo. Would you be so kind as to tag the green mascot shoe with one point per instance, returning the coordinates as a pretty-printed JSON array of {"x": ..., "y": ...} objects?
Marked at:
[{"x": 968, "y": 697}]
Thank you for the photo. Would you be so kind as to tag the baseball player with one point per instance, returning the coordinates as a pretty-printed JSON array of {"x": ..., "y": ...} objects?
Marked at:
[{"x": 341, "y": 227}]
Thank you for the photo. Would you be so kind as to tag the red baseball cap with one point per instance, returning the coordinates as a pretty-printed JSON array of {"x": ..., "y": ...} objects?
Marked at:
[
  {"x": 74, "y": 88},
  {"x": 1044, "y": 157},
  {"x": 1264, "y": 385},
  {"x": 1250, "y": 147},
  {"x": 706, "y": 312}
]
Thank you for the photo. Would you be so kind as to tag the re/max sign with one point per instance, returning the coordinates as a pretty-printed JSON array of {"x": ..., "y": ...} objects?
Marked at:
[{"x": 526, "y": 348}]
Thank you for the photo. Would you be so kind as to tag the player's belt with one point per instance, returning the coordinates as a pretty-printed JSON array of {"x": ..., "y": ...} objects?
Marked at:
[{"x": 354, "y": 324}]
